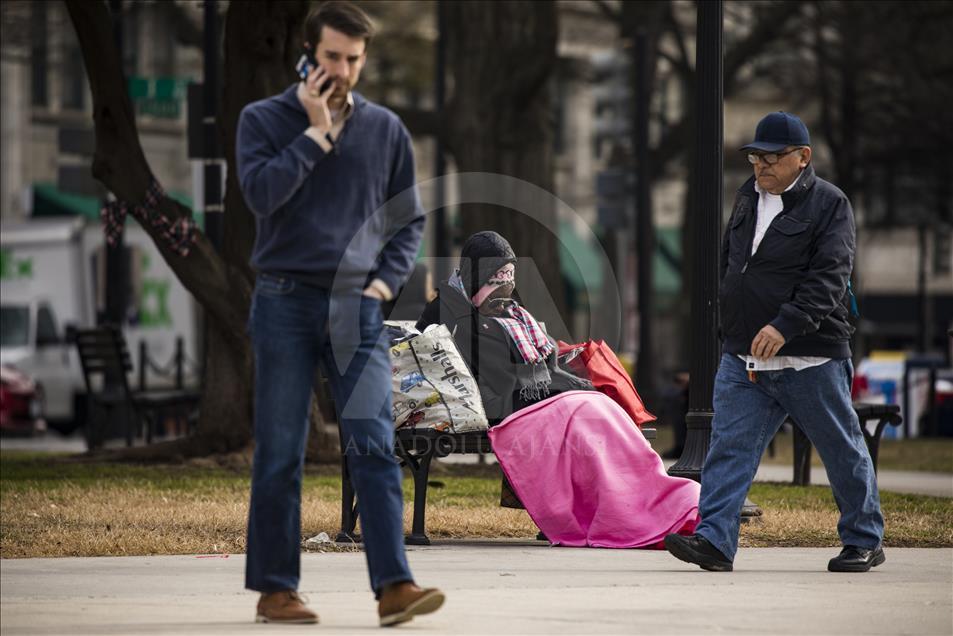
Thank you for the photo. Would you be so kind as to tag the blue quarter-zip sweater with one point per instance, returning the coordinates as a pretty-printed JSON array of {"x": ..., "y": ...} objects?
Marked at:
[{"x": 340, "y": 218}]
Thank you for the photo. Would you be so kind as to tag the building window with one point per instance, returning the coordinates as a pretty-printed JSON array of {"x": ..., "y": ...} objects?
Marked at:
[
  {"x": 46, "y": 333},
  {"x": 942, "y": 251},
  {"x": 73, "y": 73},
  {"x": 38, "y": 55},
  {"x": 130, "y": 39},
  {"x": 163, "y": 43}
]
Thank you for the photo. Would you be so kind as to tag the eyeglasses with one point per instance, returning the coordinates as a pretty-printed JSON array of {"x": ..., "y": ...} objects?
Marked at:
[
  {"x": 498, "y": 304},
  {"x": 769, "y": 158}
]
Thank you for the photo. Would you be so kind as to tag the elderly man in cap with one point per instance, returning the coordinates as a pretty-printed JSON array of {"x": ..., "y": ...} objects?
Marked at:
[{"x": 785, "y": 299}]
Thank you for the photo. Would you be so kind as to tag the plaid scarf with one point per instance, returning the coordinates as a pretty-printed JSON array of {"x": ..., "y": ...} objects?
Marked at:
[
  {"x": 529, "y": 337},
  {"x": 178, "y": 234},
  {"x": 530, "y": 340}
]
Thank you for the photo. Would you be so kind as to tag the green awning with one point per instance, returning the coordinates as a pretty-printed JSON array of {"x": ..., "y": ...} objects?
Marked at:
[
  {"x": 578, "y": 254},
  {"x": 666, "y": 277},
  {"x": 48, "y": 200}
]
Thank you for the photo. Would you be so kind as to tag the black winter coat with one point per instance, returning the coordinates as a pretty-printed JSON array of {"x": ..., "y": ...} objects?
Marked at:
[
  {"x": 491, "y": 354},
  {"x": 797, "y": 280}
]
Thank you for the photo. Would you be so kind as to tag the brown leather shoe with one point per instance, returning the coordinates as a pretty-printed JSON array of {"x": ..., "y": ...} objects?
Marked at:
[
  {"x": 401, "y": 602},
  {"x": 285, "y": 606}
]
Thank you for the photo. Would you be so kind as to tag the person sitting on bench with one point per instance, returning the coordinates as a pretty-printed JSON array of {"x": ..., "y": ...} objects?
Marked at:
[
  {"x": 629, "y": 501},
  {"x": 512, "y": 358}
]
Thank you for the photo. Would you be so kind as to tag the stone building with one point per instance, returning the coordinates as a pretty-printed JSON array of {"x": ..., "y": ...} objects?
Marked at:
[{"x": 46, "y": 103}]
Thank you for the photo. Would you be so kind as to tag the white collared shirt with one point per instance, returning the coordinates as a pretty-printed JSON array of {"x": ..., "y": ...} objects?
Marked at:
[{"x": 769, "y": 207}]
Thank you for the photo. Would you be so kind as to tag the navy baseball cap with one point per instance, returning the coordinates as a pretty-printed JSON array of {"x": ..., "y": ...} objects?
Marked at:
[{"x": 777, "y": 131}]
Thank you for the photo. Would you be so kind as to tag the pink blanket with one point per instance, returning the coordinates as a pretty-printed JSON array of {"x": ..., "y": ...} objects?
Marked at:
[{"x": 588, "y": 477}]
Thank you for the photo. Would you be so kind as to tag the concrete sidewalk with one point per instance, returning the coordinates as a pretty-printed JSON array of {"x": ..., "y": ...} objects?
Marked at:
[
  {"x": 902, "y": 481},
  {"x": 498, "y": 588}
]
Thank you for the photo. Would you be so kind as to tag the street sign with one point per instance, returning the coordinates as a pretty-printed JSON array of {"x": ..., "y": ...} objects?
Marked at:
[
  {"x": 157, "y": 96},
  {"x": 77, "y": 141}
]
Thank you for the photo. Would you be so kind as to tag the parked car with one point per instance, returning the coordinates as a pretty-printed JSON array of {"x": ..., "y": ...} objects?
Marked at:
[{"x": 21, "y": 404}]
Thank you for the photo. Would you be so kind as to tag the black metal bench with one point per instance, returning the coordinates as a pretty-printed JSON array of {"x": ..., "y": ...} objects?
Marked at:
[
  {"x": 105, "y": 359},
  {"x": 884, "y": 414},
  {"x": 416, "y": 449}
]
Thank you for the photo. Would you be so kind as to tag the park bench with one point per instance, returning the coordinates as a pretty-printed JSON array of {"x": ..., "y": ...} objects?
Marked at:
[
  {"x": 105, "y": 360},
  {"x": 416, "y": 449},
  {"x": 883, "y": 414}
]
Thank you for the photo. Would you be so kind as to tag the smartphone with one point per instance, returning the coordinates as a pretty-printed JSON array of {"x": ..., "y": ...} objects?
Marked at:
[{"x": 304, "y": 67}]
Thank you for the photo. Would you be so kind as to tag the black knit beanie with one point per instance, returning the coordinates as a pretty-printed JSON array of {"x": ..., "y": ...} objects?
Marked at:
[{"x": 483, "y": 254}]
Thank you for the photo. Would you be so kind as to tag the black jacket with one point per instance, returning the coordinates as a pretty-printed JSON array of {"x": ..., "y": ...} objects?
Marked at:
[
  {"x": 797, "y": 280},
  {"x": 491, "y": 354}
]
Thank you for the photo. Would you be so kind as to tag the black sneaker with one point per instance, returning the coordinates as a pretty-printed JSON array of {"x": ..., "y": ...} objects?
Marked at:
[
  {"x": 697, "y": 549},
  {"x": 854, "y": 559}
]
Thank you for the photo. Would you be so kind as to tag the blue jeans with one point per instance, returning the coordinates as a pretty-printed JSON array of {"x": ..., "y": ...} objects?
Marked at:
[
  {"x": 291, "y": 326},
  {"x": 748, "y": 414}
]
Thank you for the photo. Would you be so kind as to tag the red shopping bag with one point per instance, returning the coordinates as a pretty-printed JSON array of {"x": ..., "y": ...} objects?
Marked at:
[{"x": 596, "y": 360}]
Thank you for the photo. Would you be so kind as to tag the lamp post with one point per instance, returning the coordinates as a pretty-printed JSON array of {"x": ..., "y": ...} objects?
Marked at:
[
  {"x": 442, "y": 238},
  {"x": 709, "y": 154},
  {"x": 707, "y": 234}
]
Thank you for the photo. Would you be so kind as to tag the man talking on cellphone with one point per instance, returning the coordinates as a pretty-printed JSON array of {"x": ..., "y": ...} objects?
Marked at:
[{"x": 316, "y": 164}]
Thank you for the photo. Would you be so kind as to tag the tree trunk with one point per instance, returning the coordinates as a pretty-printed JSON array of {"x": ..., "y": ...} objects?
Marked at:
[
  {"x": 500, "y": 120},
  {"x": 262, "y": 41},
  {"x": 262, "y": 44}
]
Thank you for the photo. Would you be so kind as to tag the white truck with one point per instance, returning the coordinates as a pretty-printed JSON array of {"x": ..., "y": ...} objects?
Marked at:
[{"x": 52, "y": 278}]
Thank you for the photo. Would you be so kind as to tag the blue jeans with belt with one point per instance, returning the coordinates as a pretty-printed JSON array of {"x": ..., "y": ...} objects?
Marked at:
[
  {"x": 295, "y": 327},
  {"x": 748, "y": 414}
]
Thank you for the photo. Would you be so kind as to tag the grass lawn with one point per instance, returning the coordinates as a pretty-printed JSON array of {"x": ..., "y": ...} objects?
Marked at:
[
  {"x": 52, "y": 507},
  {"x": 929, "y": 455}
]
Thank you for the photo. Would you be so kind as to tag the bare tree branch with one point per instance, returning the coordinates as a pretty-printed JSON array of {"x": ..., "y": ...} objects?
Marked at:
[
  {"x": 608, "y": 10},
  {"x": 187, "y": 32},
  {"x": 771, "y": 23},
  {"x": 684, "y": 64},
  {"x": 120, "y": 164},
  {"x": 823, "y": 82}
]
